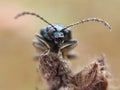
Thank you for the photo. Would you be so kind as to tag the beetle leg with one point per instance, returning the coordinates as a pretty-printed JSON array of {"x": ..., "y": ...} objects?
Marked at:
[
  {"x": 69, "y": 45},
  {"x": 40, "y": 45},
  {"x": 40, "y": 38},
  {"x": 38, "y": 55}
]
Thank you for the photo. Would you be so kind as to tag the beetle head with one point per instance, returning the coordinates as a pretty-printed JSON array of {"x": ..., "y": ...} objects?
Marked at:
[{"x": 58, "y": 35}]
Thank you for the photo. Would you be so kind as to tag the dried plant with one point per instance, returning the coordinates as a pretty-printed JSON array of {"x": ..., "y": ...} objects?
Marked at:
[
  {"x": 58, "y": 75},
  {"x": 55, "y": 71}
]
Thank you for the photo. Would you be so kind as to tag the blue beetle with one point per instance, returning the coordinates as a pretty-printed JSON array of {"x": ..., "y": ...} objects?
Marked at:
[{"x": 56, "y": 37}]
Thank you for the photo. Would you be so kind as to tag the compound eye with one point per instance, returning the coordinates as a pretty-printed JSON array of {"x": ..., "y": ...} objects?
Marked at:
[
  {"x": 67, "y": 34},
  {"x": 66, "y": 31},
  {"x": 50, "y": 31}
]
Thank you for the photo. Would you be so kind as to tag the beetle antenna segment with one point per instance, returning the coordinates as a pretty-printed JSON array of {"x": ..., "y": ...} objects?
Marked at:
[
  {"x": 90, "y": 19},
  {"x": 34, "y": 14}
]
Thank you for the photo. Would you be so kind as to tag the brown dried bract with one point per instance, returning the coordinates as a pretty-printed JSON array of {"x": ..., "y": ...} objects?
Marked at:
[{"x": 85, "y": 78}]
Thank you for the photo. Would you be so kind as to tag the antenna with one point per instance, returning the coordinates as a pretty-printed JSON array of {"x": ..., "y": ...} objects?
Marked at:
[
  {"x": 34, "y": 14},
  {"x": 88, "y": 20}
]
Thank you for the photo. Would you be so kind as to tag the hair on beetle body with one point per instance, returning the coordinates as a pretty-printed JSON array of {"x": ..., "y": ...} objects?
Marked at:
[{"x": 56, "y": 37}]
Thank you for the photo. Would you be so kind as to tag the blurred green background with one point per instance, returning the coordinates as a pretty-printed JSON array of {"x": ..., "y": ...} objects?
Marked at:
[{"x": 17, "y": 68}]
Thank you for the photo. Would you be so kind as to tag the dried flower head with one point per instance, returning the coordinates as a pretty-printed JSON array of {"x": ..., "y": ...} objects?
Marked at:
[{"x": 55, "y": 70}]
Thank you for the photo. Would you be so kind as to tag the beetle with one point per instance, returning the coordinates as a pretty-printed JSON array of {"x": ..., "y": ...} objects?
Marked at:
[{"x": 57, "y": 37}]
